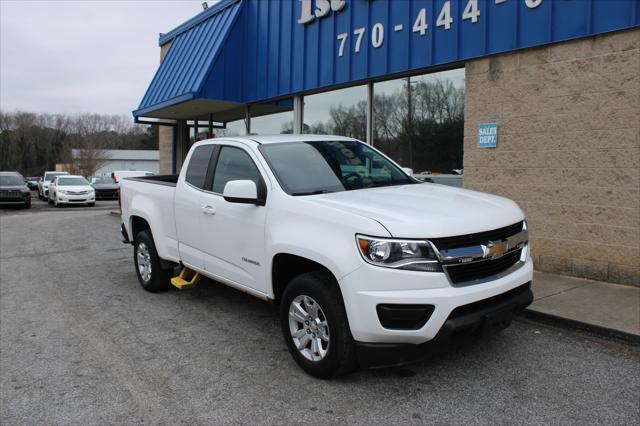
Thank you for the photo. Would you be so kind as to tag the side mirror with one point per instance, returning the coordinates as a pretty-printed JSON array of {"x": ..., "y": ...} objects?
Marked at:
[
  {"x": 408, "y": 171},
  {"x": 242, "y": 191}
]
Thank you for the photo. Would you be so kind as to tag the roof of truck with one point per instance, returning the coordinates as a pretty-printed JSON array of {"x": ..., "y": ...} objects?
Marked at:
[{"x": 264, "y": 140}]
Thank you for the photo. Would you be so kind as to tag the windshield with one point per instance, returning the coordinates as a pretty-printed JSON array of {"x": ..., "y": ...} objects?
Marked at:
[
  {"x": 52, "y": 176},
  {"x": 102, "y": 181},
  {"x": 72, "y": 181},
  {"x": 11, "y": 180},
  {"x": 306, "y": 168}
]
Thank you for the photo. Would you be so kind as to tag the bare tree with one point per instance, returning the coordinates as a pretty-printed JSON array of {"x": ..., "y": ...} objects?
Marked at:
[{"x": 31, "y": 143}]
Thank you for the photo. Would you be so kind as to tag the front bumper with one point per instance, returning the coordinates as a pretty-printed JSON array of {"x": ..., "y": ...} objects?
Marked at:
[
  {"x": 483, "y": 317},
  {"x": 106, "y": 194},
  {"x": 76, "y": 199},
  {"x": 15, "y": 198},
  {"x": 369, "y": 286}
]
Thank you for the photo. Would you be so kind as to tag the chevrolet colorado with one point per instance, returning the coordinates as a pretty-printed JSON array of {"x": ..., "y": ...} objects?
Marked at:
[{"x": 368, "y": 265}]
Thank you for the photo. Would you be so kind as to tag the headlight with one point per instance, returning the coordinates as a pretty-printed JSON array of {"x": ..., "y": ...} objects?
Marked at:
[
  {"x": 62, "y": 192},
  {"x": 414, "y": 255}
]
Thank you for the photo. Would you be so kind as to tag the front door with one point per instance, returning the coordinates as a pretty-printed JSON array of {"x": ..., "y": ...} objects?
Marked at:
[{"x": 233, "y": 234}]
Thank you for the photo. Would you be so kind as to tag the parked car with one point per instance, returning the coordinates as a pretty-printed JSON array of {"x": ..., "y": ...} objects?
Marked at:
[
  {"x": 32, "y": 182},
  {"x": 106, "y": 188},
  {"x": 70, "y": 189},
  {"x": 43, "y": 185},
  {"x": 118, "y": 175},
  {"x": 14, "y": 190},
  {"x": 369, "y": 266}
]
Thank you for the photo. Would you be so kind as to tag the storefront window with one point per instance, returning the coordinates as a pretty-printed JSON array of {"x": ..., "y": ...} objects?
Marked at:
[
  {"x": 340, "y": 112},
  {"x": 272, "y": 124},
  {"x": 419, "y": 121},
  {"x": 234, "y": 128},
  {"x": 272, "y": 118}
]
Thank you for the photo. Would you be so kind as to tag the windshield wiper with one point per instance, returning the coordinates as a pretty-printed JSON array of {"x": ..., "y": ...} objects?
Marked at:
[{"x": 319, "y": 191}]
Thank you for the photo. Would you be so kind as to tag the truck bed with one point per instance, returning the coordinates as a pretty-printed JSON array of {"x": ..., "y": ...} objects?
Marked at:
[
  {"x": 151, "y": 198},
  {"x": 168, "y": 180}
]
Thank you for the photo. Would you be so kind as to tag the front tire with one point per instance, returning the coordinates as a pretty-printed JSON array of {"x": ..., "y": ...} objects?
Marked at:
[
  {"x": 315, "y": 326},
  {"x": 151, "y": 275},
  {"x": 91, "y": 204}
]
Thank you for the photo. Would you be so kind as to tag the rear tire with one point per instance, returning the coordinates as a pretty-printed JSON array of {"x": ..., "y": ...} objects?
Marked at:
[
  {"x": 151, "y": 275},
  {"x": 334, "y": 351}
]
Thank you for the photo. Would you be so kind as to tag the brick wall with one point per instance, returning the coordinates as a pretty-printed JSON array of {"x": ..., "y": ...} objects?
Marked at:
[
  {"x": 165, "y": 134},
  {"x": 568, "y": 149}
]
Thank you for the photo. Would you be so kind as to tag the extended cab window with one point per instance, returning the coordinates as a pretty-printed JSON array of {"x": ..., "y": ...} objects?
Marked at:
[
  {"x": 234, "y": 164},
  {"x": 197, "y": 171}
]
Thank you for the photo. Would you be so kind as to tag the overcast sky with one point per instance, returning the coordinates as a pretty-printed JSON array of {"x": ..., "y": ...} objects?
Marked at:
[
  {"x": 100, "y": 56},
  {"x": 82, "y": 56}
]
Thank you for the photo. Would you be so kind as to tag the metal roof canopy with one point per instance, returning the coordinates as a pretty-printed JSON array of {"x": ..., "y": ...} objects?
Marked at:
[
  {"x": 176, "y": 89},
  {"x": 241, "y": 52}
]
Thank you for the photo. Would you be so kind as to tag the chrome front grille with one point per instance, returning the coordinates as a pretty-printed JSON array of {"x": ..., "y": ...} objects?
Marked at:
[
  {"x": 484, "y": 256},
  {"x": 470, "y": 272}
]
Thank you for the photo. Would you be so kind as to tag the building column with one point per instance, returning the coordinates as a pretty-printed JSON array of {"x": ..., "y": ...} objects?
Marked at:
[
  {"x": 370, "y": 113},
  {"x": 182, "y": 143},
  {"x": 165, "y": 147},
  {"x": 298, "y": 114},
  {"x": 247, "y": 120}
]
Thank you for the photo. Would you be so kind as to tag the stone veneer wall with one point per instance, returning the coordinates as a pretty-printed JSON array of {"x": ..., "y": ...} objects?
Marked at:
[
  {"x": 165, "y": 134},
  {"x": 568, "y": 149}
]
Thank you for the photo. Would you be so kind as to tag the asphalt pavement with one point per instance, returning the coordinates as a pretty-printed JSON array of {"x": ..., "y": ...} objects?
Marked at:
[{"x": 82, "y": 343}]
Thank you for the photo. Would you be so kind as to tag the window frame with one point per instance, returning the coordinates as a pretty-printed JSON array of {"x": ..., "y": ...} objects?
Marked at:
[{"x": 213, "y": 165}]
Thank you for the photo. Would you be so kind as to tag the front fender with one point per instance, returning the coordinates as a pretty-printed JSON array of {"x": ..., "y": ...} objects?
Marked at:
[{"x": 318, "y": 233}]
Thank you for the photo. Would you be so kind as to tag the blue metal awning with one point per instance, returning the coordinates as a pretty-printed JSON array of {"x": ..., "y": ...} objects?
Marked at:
[
  {"x": 252, "y": 52},
  {"x": 194, "y": 49}
]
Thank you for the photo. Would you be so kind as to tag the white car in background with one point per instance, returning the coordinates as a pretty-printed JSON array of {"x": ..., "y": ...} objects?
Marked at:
[
  {"x": 70, "y": 189},
  {"x": 43, "y": 185}
]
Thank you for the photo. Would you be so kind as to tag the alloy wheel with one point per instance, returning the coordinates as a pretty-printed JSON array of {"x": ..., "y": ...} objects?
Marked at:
[
  {"x": 144, "y": 262},
  {"x": 309, "y": 328}
]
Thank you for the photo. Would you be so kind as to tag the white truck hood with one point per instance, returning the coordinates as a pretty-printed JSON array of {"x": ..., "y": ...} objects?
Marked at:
[{"x": 426, "y": 210}]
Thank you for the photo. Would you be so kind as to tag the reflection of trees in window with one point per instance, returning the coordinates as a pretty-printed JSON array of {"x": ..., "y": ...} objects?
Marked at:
[
  {"x": 287, "y": 128},
  {"x": 421, "y": 128},
  {"x": 348, "y": 121}
]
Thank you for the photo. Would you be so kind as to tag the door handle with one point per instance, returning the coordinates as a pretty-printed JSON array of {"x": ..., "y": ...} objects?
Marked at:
[{"x": 208, "y": 210}]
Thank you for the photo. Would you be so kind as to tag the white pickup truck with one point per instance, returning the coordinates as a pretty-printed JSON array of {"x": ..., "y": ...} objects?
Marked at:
[{"x": 369, "y": 266}]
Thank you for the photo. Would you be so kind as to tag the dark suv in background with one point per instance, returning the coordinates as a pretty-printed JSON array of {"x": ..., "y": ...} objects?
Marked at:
[{"x": 14, "y": 190}]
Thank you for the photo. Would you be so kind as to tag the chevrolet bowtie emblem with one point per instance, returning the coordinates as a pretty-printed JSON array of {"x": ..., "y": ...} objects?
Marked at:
[{"x": 494, "y": 249}]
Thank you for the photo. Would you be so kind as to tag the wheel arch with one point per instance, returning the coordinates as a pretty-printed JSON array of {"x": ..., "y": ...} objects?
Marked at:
[
  {"x": 138, "y": 224},
  {"x": 286, "y": 266}
]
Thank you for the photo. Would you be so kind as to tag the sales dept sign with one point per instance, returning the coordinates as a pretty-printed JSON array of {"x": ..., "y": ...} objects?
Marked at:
[{"x": 488, "y": 135}]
